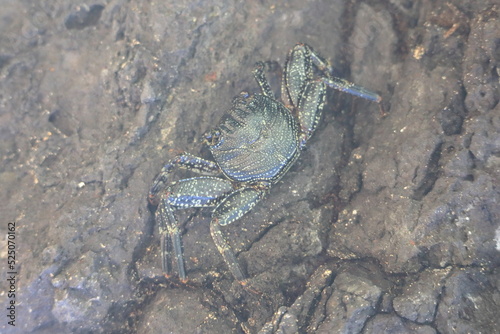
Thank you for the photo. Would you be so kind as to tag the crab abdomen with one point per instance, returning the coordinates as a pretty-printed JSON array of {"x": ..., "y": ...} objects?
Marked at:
[{"x": 257, "y": 140}]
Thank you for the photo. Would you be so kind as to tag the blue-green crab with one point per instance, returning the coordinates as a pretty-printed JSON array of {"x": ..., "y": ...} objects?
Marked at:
[{"x": 253, "y": 146}]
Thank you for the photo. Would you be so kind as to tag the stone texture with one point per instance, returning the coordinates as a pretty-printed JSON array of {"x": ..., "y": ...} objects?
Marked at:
[{"x": 95, "y": 97}]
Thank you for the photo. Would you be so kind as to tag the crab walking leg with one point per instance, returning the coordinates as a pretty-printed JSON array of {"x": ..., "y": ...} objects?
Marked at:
[
  {"x": 232, "y": 208},
  {"x": 183, "y": 160},
  {"x": 170, "y": 236},
  {"x": 310, "y": 109},
  {"x": 338, "y": 83},
  {"x": 260, "y": 77},
  {"x": 184, "y": 194},
  {"x": 351, "y": 88},
  {"x": 299, "y": 70}
]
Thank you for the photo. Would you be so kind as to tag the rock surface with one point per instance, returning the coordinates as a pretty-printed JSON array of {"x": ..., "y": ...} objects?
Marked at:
[{"x": 385, "y": 224}]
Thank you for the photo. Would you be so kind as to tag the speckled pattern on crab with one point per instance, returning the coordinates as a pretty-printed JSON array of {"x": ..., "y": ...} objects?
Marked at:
[{"x": 254, "y": 145}]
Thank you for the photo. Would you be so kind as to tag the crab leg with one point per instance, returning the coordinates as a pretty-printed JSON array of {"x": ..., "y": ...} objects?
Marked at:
[
  {"x": 232, "y": 208},
  {"x": 183, "y": 160},
  {"x": 338, "y": 83},
  {"x": 310, "y": 109},
  {"x": 298, "y": 71},
  {"x": 303, "y": 89},
  {"x": 169, "y": 236},
  {"x": 184, "y": 194},
  {"x": 260, "y": 77},
  {"x": 351, "y": 88}
]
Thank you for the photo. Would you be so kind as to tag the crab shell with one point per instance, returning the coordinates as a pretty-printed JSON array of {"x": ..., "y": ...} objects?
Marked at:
[{"x": 256, "y": 140}]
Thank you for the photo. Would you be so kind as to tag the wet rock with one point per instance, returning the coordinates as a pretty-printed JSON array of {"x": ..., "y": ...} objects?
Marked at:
[
  {"x": 166, "y": 313},
  {"x": 470, "y": 302},
  {"x": 355, "y": 295},
  {"x": 85, "y": 294},
  {"x": 390, "y": 323},
  {"x": 419, "y": 300},
  {"x": 295, "y": 318},
  {"x": 481, "y": 58},
  {"x": 39, "y": 314},
  {"x": 407, "y": 179},
  {"x": 96, "y": 98},
  {"x": 84, "y": 17},
  {"x": 333, "y": 304}
]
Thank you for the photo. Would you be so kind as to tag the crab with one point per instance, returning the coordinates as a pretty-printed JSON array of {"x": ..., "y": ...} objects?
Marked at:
[{"x": 255, "y": 143}]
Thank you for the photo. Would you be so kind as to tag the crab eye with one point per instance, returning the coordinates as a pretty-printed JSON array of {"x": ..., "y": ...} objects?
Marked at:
[{"x": 213, "y": 138}]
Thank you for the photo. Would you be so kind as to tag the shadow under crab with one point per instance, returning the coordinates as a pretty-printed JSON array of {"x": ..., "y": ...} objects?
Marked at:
[{"x": 253, "y": 146}]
